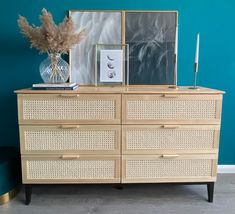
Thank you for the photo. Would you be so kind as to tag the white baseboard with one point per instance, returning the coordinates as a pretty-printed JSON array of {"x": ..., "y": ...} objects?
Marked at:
[{"x": 226, "y": 168}]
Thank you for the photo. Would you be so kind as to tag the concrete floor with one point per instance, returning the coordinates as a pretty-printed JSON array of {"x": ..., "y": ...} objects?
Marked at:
[{"x": 133, "y": 199}]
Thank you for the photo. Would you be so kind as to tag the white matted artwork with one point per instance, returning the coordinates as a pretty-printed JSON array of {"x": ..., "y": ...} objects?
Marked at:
[
  {"x": 111, "y": 65},
  {"x": 101, "y": 27}
]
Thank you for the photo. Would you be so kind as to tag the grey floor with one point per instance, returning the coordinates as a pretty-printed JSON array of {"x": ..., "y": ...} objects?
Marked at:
[{"x": 133, "y": 199}]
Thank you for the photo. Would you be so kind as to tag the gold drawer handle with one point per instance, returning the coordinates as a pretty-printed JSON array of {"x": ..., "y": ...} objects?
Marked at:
[
  {"x": 170, "y": 126},
  {"x": 170, "y": 96},
  {"x": 70, "y": 157},
  {"x": 170, "y": 156},
  {"x": 69, "y": 95},
  {"x": 68, "y": 127}
]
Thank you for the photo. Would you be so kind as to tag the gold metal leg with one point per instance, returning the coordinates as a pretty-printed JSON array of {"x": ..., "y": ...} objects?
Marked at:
[{"x": 9, "y": 196}]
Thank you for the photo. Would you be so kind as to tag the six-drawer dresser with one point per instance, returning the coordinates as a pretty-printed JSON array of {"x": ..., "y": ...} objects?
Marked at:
[{"x": 135, "y": 134}]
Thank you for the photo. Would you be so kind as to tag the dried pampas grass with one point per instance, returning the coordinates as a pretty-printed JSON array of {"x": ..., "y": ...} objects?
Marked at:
[{"x": 50, "y": 38}]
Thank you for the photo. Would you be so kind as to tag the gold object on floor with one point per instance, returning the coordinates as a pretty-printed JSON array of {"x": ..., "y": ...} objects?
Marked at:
[{"x": 9, "y": 195}]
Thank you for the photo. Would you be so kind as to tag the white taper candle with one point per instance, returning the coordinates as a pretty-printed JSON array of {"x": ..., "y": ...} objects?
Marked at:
[
  {"x": 197, "y": 52},
  {"x": 176, "y": 41},
  {"x": 176, "y": 55}
]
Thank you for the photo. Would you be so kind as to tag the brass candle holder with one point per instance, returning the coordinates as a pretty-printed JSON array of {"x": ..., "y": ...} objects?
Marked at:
[{"x": 195, "y": 87}]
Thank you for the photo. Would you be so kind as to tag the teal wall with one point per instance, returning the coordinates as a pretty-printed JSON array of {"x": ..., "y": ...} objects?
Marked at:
[{"x": 214, "y": 19}]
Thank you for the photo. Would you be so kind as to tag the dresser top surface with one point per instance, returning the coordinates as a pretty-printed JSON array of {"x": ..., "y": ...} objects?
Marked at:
[{"x": 125, "y": 90}]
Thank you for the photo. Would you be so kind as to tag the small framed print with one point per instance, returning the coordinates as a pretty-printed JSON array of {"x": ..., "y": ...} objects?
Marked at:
[{"x": 112, "y": 64}]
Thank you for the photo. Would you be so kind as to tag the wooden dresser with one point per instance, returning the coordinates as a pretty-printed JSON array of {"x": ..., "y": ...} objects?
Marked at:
[{"x": 142, "y": 134}]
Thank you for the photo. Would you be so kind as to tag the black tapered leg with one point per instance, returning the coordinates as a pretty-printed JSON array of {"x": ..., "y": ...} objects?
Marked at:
[
  {"x": 28, "y": 193},
  {"x": 210, "y": 191}
]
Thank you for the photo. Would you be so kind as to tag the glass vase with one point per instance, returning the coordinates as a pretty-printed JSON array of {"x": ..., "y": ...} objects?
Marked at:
[{"x": 54, "y": 69}]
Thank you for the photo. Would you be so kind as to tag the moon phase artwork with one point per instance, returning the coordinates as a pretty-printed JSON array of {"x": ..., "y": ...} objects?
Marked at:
[{"x": 111, "y": 66}]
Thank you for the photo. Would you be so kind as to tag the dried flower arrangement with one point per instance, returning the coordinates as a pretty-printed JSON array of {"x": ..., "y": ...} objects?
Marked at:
[
  {"x": 54, "y": 40},
  {"x": 51, "y": 38}
]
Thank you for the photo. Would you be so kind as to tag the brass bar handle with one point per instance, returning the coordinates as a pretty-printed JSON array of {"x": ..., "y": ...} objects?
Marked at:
[
  {"x": 69, "y": 95},
  {"x": 169, "y": 156},
  {"x": 170, "y": 96},
  {"x": 68, "y": 127},
  {"x": 69, "y": 157},
  {"x": 170, "y": 126}
]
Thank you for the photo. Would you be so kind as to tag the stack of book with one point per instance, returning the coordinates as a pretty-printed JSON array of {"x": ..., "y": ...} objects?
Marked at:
[{"x": 61, "y": 86}]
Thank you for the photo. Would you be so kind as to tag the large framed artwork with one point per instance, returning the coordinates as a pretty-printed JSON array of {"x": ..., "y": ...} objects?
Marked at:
[
  {"x": 101, "y": 27},
  {"x": 150, "y": 35},
  {"x": 151, "y": 38}
]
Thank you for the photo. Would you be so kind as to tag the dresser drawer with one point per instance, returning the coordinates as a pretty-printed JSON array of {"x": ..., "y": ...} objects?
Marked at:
[
  {"x": 157, "y": 139},
  {"x": 81, "y": 139},
  {"x": 168, "y": 168},
  {"x": 71, "y": 169},
  {"x": 69, "y": 108},
  {"x": 172, "y": 109}
]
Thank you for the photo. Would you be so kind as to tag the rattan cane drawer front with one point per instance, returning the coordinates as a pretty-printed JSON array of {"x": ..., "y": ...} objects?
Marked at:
[
  {"x": 172, "y": 109},
  {"x": 155, "y": 139},
  {"x": 82, "y": 139},
  {"x": 69, "y": 108},
  {"x": 168, "y": 168},
  {"x": 71, "y": 169}
]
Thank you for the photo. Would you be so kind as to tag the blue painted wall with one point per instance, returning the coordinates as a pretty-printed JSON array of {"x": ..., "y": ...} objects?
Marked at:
[{"x": 214, "y": 19}]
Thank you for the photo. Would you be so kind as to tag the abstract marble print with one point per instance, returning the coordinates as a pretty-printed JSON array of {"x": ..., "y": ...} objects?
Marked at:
[
  {"x": 101, "y": 28},
  {"x": 151, "y": 39}
]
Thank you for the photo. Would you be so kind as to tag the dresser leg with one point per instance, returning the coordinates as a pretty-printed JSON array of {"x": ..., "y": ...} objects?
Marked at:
[
  {"x": 210, "y": 191},
  {"x": 28, "y": 192}
]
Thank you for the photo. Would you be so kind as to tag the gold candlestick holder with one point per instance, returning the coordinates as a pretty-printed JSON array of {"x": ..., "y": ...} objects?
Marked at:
[{"x": 195, "y": 87}]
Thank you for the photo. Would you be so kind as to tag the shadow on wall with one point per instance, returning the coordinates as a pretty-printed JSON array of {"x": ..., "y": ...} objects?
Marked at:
[
  {"x": 8, "y": 125},
  {"x": 19, "y": 68}
]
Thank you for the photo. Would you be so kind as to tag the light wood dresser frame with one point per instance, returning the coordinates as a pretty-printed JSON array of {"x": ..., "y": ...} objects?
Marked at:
[{"x": 135, "y": 134}]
